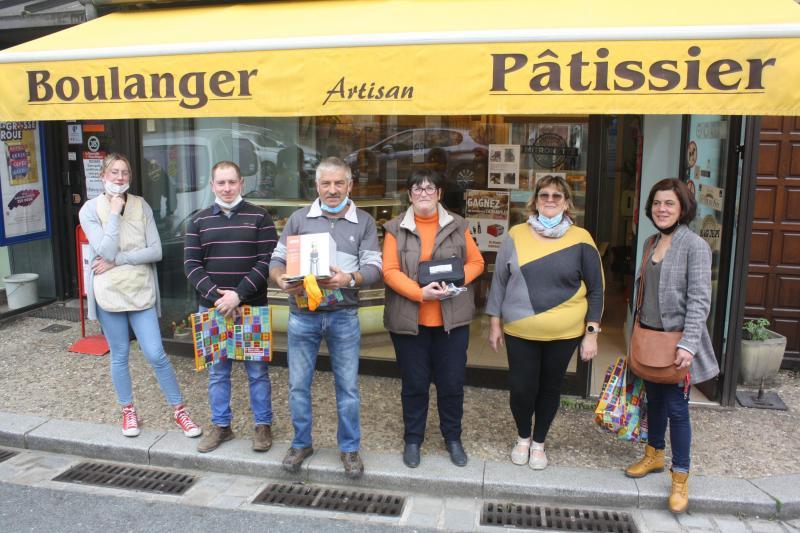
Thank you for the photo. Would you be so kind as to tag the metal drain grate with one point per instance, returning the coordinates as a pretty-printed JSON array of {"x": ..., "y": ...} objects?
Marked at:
[
  {"x": 329, "y": 499},
  {"x": 6, "y": 454},
  {"x": 55, "y": 328},
  {"x": 555, "y": 518},
  {"x": 127, "y": 477},
  {"x": 57, "y": 312}
]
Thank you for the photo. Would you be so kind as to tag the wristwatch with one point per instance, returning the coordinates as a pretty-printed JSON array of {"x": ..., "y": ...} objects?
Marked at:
[
  {"x": 592, "y": 329},
  {"x": 352, "y": 283}
]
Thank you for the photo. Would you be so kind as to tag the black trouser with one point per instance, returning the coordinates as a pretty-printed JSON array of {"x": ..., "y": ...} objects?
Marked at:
[
  {"x": 536, "y": 371},
  {"x": 432, "y": 356}
]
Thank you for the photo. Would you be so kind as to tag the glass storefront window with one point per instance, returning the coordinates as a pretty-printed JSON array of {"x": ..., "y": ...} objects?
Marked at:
[{"x": 278, "y": 157}]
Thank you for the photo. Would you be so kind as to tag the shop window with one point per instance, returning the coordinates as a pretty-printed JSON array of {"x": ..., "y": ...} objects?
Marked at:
[{"x": 279, "y": 157}]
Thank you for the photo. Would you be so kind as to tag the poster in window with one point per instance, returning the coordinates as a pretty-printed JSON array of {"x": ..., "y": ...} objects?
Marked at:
[
  {"x": 487, "y": 216},
  {"x": 22, "y": 183},
  {"x": 504, "y": 166}
]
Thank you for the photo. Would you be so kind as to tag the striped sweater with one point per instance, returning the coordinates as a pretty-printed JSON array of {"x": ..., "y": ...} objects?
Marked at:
[
  {"x": 223, "y": 252},
  {"x": 547, "y": 289}
]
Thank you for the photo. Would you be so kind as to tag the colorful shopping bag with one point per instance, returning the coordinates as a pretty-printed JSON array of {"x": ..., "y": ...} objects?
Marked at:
[
  {"x": 247, "y": 337},
  {"x": 622, "y": 408}
]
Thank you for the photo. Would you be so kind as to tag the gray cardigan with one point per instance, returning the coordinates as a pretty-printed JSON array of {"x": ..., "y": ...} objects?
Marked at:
[
  {"x": 684, "y": 297},
  {"x": 105, "y": 243}
]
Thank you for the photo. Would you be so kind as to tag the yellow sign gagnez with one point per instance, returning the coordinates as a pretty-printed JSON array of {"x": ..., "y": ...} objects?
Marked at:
[{"x": 755, "y": 76}]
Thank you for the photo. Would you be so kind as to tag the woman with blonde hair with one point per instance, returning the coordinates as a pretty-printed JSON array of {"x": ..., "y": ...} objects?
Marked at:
[
  {"x": 546, "y": 300},
  {"x": 122, "y": 290}
]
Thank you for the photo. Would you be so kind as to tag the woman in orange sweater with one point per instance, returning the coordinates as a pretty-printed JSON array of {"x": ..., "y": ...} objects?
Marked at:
[{"x": 429, "y": 326}]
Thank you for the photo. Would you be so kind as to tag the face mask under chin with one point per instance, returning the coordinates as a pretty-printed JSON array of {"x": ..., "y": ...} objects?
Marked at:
[
  {"x": 115, "y": 190},
  {"x": 228, "y": 205}
]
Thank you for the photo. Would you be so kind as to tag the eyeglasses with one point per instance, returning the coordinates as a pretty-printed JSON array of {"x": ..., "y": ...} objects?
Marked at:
[
  {"x": 419, "y": 191},
  {"x": 556, "y": 196}
]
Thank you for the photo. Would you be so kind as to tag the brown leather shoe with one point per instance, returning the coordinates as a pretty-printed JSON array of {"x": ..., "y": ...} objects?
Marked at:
[
  {"x": 353, "y": 467},
  {"x": 679, "y": 494},
  {"x": 653, "y": 461},
  {"x": 214, "y": 438},
  {"x": 294, "y": 458},
  {"x": 262, "y": 437}
]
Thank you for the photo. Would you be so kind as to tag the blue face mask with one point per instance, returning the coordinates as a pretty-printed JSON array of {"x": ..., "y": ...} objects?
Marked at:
[
  {"x": 548, "y": 222},
  {"x": 333, "y": 210}
]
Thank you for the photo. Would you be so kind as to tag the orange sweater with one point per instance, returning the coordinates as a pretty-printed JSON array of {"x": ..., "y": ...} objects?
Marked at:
[{"x": 430, "y": 312}]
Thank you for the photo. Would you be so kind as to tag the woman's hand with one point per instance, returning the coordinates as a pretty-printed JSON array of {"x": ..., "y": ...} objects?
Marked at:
[
  {"x": 588, "y": 347},
  {"x": 495, "y": 333},
  {"x": 683, "y": 359},
  {"x": 100, "y": 266},
  {"x": 117, "y": 203},
  {"x": 434, "y": 291}
]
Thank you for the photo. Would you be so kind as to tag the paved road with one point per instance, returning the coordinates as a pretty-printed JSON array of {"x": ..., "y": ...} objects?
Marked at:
[{"x": 35, "y": 509}]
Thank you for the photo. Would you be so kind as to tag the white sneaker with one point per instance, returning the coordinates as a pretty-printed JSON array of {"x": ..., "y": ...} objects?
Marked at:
[
  {"x": 538, "y": 458},
  {"x": 519, "y": 454}
]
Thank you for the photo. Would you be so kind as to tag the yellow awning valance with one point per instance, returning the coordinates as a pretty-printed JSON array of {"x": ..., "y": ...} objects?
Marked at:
[{"x": 407, "y": 57}]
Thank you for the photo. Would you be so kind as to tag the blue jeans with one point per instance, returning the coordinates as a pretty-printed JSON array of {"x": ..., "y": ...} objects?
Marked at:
[
  {"x": 219, "y": 391},
  {"x": 667, "y": 403},
  {"x": 342, "y": 334},
  {"x": 145, "y": 327}
]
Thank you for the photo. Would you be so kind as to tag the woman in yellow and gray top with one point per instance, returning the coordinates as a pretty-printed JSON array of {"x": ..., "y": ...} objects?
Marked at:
[{"x": 546, "y": 299}]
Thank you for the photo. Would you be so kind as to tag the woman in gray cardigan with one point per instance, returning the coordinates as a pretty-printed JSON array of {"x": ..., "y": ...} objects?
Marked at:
[
  {"x": 677, "y": 297},
  {"x": 122, "y": 288}
]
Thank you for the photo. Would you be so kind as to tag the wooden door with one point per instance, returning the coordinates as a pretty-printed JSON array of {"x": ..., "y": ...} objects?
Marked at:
[{"x": 773, "y": 281}]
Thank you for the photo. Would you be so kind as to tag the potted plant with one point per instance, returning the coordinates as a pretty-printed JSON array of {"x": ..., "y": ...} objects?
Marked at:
[
  {"x": 761, "y": 352},
  {"x": 180, "y": 332}
]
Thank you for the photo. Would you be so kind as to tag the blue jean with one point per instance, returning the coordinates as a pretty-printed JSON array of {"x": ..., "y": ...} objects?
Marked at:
[
  {"x": 219, "y": 391},
  {"x": 433, "y": 355},
  {"x": 145, "y": 327},
  {"x": 665, "y": 403},
  {"x": 342, "y": 334}
]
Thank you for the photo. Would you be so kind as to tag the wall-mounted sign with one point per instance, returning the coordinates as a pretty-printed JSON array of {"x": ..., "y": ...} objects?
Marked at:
[{"x": 25, "y": 213}]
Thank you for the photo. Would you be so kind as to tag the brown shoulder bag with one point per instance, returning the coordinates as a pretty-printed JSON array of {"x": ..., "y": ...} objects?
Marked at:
[{"x": 651, "y": 354}]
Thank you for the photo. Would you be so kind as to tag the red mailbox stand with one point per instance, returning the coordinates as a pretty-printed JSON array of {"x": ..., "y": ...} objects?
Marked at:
[{"x": 94, "y": 344}]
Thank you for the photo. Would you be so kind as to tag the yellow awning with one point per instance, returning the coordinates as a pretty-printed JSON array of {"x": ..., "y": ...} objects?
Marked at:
[{"x": 406, "y": 57}]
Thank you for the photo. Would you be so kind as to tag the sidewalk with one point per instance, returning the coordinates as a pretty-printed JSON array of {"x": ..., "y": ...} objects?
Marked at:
[
  {"x": 745, "y": 461},
  {"x": 771, "y": 496}
]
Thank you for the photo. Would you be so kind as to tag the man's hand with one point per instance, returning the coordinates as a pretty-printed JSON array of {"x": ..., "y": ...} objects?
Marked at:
[
  {"x": 228, "y": 303},
  {"x": 100, "y": 265},
  {"x": 290, "y": 287},
  {"x": 337, "y": 281}
]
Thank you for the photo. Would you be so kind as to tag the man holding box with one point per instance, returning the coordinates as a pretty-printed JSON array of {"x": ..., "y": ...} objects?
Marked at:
[
  {"x": 356, "y": 263},
  {"x": 226, "y": 258}
]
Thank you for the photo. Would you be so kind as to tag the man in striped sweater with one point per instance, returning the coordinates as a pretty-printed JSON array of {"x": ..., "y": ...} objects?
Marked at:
[{"x": 226, "y": 258}]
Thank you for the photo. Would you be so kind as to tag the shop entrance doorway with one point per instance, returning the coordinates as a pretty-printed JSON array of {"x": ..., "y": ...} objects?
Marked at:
[{"x": 613, "y": 199}]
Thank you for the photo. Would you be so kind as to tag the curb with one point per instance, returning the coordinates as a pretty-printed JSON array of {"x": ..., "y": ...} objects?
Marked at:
[{"x": 772, "y": 496}]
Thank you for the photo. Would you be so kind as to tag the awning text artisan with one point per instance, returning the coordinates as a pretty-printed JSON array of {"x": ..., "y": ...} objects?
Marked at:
[{"x": 631, "y": 75}]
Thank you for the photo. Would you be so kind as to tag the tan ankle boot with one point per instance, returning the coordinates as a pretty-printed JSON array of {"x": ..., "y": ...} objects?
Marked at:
[
  {"x": 679, "y": 497},
  {"x": 653, "y": 461}
]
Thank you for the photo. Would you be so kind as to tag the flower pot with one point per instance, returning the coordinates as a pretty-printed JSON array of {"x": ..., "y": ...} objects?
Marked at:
[
  {"x": 761, "y": 359},
  {"x": 182, "y": 336}
]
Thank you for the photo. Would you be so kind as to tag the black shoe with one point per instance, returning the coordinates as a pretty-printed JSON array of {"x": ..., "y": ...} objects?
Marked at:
[
  {"x": 457, "y": 454},
  {"x": 411, "y": 455}
]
